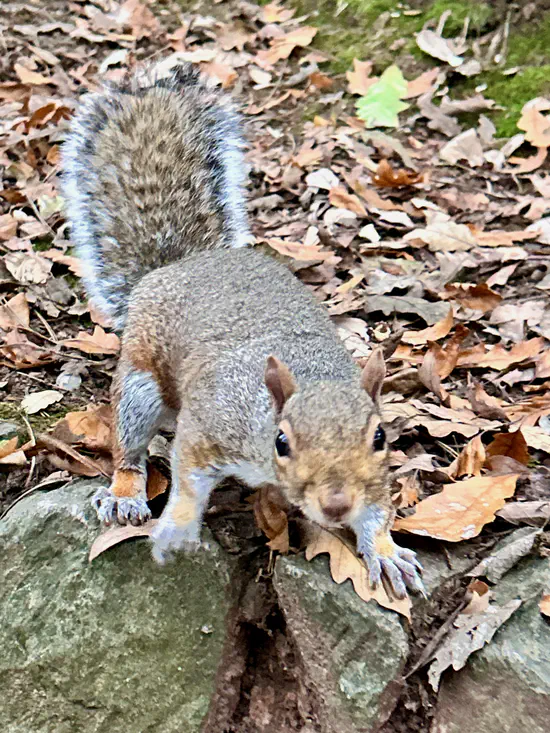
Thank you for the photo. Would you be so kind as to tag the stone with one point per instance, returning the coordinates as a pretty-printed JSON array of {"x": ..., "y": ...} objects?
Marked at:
[
  {"x": 352, "y": 653},
  {"x": 116, "y": 646},
  {"x": 8, "y": 429},
  {"x": 505, "y": 687}
]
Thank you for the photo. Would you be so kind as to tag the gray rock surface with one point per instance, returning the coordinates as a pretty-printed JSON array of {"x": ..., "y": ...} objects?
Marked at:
[
  {"x": 116, "y": 646},
  {"x": 505, "y": 687},
  {"x": 8, "y": 429},
  {"x": 351, "y": 652}
]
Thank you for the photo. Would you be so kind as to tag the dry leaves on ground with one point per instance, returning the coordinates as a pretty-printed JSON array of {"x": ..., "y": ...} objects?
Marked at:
[
  {"x": 344, "y": 565},
  {"x": 461, "y": 509}
]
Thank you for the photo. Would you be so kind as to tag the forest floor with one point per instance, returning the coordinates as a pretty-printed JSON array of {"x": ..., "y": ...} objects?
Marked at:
[{"x": 405, "y": 195}]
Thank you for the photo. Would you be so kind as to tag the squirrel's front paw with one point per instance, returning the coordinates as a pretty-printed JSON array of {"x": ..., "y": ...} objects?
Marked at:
[
  {"x": 169, "y": 537},
  {"x": 120, "y": 509},
  {"x": 397, "y": 565}
]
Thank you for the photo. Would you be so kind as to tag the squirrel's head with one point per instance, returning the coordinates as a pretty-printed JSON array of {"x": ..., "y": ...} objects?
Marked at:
[{"x": 330, "y": 451}]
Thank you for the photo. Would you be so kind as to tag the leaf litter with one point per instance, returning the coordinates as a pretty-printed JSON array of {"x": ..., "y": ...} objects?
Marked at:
[{"x": 387, "y": 178}]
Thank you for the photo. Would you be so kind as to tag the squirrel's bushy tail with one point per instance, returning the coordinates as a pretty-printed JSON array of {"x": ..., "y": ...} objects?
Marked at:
[{"x": 153, "y": 171}]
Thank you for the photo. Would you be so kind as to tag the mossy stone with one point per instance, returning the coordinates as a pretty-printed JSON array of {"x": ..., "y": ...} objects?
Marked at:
[{"x": 116, "y": 646}]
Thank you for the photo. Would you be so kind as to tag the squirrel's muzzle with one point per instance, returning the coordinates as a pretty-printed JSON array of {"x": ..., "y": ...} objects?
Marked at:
[{"x": 336, "y": 506}]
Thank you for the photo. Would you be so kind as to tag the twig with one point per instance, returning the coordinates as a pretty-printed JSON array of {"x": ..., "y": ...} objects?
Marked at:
[
  {"x": 55, "y": 444},
  {"x": 47, "y": 326}
]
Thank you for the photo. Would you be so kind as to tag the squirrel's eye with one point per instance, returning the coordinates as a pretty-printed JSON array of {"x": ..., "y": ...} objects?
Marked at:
[
  {"x": 379, "y": 440},
  {"x": 281, "y": 444}
]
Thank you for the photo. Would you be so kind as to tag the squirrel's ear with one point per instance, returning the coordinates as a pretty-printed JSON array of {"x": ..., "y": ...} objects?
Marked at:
[
  {"x": 373, "y": 375},
  {"x": 279, "y": 382}
]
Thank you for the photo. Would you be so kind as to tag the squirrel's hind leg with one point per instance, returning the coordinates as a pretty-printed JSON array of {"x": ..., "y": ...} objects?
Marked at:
[
  {"x": 138, "y": 409},
  {"x": 193, "y": 480}
]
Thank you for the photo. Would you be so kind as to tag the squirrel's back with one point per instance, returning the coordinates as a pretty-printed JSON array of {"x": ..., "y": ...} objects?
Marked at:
[{"x": 153, "y": 172}]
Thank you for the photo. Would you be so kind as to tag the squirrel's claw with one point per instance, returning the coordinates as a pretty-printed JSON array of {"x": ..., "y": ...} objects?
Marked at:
[
  {"x": 401, "y": 570},
  {"x": 113, "y": 509}
]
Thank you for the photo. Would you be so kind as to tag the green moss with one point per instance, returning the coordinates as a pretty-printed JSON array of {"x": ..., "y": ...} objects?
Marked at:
[
  {"x": 512, "y": 92},
  {"x": 9, "y": 411},
  {"x": 40, "y": 422},
  {"x": 41, "y": 245},
  {"x": 45, "y": 419},
  {"x": 346, "y": 30},
  {"x": 354, "y": 28},
  {"x": 479, "y": 15}
]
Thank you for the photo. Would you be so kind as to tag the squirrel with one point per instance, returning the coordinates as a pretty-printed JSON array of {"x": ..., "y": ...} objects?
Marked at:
[{"x": 214, "y": 331}]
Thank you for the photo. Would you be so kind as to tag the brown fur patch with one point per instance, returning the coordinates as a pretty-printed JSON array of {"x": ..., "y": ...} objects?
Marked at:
[{"x": 127, "y": 483}]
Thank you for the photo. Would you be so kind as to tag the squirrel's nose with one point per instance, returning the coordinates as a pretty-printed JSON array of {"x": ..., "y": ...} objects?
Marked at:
[{"x": 336, "y": 506}]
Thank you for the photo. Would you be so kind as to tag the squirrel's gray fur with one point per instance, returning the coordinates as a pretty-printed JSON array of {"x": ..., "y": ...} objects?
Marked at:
[
  {"x": 227, "y": 339},
  {"x": 153, "y": 171}
]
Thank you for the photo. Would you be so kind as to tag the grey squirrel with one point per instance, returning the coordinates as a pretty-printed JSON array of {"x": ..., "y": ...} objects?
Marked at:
[{"x": 216, "y": 332}]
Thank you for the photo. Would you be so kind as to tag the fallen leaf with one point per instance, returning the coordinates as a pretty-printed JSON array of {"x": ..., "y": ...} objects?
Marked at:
[
  {"x": 271, "y": 518},
  {"x": 388, "y": 177},
  {"x": 408, "y": 492},
  {"x": 360, "y": 80},
  {"x": 10, "y": 455},
  {"x": 259, "y": 76},
  {"x": 512, "y": 445},
  {"x": 91, "y": 428},
  {"x": 499, "y": 358},
  {"x": 28, "y": 267},
  {"x": 469, "y": 461},
  {"x": 223, "y": 73},
  {"x": 499, "y": 238},
  {"x": 443, "y": 235},
  {"x": 344, "y": 565},
  {"x": 422, "y": 84},
  {"x": 75, "y": 264},
  {"x": 465, "y": 146},
  {"x": 536, "y": 438},
  {"x": 8, "y": 226},
  {"x": 433, "y": 333},
  {"x": 157, "y": 483},
  {"x": 36, "y": 401},
  {"x": 535, "y": 124},
  {"x": 544, "y": 604},
  {"x": 380, "y": 106},
  {"x": 438, "y": 120},
  {"x": 471, "y": 632},
  {"x": 478, "y": 297},
  {"x": 282, "y": 47},
  {"x": 298, "y": 251},
  {"x": 389, "y": 304},
  {"x": 97, "y": 343},
  {"x": 528, "y": 412},
  {"x": 517, "y": 546},
  {"x": 30, "y": 77},
  {"x": 484, "y": 404},
  {"x": 460, "y": 510},
  {"x": 323, "y": 178},
  {"x": 528, "y": 165},
  {"x": 138, "y": 17},
  {"x": 481, "y": 594},
  {"x": 276, "y": 13},
  {"x": 15, "y": 313},
  {"x": 526, "y": 512},
  {"x": 440, "y": 48},
  {"x": 338, "y": 196},
  {"x": 22, "y": 353},
  {"x": 428, "y": 374},
  {"x": 115, "y": 535},
  {"x": 321, "y": 81}
]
